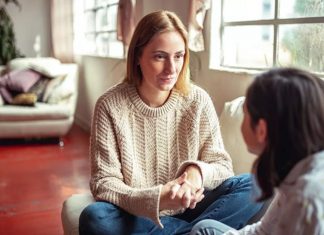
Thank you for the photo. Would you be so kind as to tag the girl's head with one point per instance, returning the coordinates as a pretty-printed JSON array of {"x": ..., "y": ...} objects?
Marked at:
[
  {"x": 151, "y": 25},
  {"x": 285, "y": 111}
]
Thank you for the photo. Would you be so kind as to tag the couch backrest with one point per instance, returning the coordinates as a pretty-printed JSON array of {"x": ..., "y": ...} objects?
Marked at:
[{"x": 230, "y": 122}]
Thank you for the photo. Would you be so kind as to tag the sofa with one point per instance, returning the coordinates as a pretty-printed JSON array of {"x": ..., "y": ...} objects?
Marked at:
[
  {"x": 230, "y": 122},
  {"x": 24, "y": 115}
]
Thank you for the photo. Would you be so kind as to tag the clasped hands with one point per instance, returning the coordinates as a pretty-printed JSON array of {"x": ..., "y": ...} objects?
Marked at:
[{"x": 183, "y": 192}]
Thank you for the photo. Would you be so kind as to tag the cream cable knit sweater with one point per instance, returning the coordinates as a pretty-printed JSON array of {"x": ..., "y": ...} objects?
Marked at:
[{"x": 135, "y": 149}]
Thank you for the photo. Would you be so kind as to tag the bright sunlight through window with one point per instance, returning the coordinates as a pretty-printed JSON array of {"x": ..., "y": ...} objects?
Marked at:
[
  {"x": 95, "y": 28},
  {"x": 259, "y": 34}
]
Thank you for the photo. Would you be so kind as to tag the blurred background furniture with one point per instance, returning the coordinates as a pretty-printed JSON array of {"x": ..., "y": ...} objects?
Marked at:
[
  {"x": 230, "y": 122},
  {"x": 52, "y": 115}
]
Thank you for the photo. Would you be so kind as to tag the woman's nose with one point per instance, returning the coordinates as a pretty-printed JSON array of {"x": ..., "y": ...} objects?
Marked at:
[{"x": 170, "y": 66}]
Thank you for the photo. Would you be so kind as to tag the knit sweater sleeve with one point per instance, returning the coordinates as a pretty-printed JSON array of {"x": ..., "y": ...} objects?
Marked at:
[
  {"x": 107, "y": 181},
  {"x": 214, "y": 162}
]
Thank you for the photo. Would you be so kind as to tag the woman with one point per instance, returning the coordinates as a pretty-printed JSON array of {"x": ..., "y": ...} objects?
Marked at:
[
  {"x": 156, "y": 145},
  {"x": 284, "y": 125}
]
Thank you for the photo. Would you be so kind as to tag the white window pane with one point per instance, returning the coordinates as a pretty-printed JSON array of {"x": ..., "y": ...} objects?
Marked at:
[
  {"x": 102, "y": 2},
  {"x": 240, "y": 10},
  {"x": 102, "y": 44},
  {"x": 90, "y": 21},
  {"x": 90, "y": 44},
  {"x": 101, "y": 19},
  {"x": 112, "y": 17},
  {"x": 88, "y": 4},
  {"x": 105, "y": 2},
  {"x": 115, "y": 47},
  {"x": 95, "y": 28},
  {"x": 248, "y": 46},
  {"x": 302, "y": 46},
  {"x": 301, "y": 8}
]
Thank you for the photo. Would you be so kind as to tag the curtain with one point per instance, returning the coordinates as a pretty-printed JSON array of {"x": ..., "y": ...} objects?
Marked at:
[
  {"x": 197, "y": 12},
  {"x": 62, "y": 30},
  {"x": 126, "y": 22}
]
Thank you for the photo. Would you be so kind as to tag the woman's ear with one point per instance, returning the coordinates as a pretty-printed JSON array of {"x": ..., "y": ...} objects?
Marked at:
[{"x": 261, "y": 131}]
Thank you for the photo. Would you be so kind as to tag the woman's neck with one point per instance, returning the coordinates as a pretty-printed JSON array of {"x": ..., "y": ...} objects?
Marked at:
[{"x": 153, "y": 98}]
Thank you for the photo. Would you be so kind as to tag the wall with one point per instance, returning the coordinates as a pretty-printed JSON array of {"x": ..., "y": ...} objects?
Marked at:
[
  {"x": 30, "y": 23},
  {"x": 98, "y": 74}
]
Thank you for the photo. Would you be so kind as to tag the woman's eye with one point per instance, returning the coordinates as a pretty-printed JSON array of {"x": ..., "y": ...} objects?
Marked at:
[
  {"x": 159, "y": 57},
  {"x": 179, "y": 56}
]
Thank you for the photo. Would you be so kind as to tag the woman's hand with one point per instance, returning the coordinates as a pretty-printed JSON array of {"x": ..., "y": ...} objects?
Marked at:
[
  {"x": 194, "y": 183},
  {"x": 180, "y": 193}
]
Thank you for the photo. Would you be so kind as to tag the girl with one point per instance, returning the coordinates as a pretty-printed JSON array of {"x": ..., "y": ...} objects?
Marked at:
[{"x": 284, "y": 125}]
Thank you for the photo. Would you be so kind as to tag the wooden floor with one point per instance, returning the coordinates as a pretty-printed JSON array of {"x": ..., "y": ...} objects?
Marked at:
[{"x": 35, "y": 179}]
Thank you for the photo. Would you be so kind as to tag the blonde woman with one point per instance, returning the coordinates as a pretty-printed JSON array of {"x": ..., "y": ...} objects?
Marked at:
[{"x": 158, "y": 160}]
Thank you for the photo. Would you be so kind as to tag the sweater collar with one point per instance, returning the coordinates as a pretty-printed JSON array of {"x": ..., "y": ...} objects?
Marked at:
[{"x": 149, "y": 111}]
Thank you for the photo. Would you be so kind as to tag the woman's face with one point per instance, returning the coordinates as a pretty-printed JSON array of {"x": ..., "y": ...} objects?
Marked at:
[
  {"x": 253, "y": 138},
  {"x": 161, "y": 62}
]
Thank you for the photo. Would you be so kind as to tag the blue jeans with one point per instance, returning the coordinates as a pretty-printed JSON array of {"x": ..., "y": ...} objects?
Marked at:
[
  {"x": 230, "y": 203},
  {"x": 209, "y": 227}
]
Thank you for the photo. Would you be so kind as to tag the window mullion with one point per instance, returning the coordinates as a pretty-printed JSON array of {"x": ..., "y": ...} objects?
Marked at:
[
  {"x": 275, "y": 34},
  {"x": 221, "y": 33}
]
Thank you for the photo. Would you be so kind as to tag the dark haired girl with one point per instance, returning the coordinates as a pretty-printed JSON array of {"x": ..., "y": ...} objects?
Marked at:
[{"x": 284, "y": 125}]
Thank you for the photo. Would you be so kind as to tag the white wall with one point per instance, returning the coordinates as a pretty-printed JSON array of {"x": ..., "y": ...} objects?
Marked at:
[
  {"x": 32, "y": 21},
  {"x": 98, "y": 74}
]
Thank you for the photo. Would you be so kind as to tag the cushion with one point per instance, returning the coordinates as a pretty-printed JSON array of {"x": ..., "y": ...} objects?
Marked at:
[
  {"x": 19, "y": 80},
  {"x": 230, "y": 121},
  {"x": 1, "y": 100},
  {"x": 47, "y": 66},
  {"x": 72, "y": 208},
  {"x": 51, "y": 86},
  {"x": 28, "y": 99},
  {"x": 62, "y": 93},
  {"x": 41, "y": 111},
  {"x": 5, "y": 93},
  {"x": 39, "y": 88}
]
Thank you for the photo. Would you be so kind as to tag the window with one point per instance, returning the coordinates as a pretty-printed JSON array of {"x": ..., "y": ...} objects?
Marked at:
[
  {"x": 95, "y": 24},
  {"x": 259, "y": 34}
]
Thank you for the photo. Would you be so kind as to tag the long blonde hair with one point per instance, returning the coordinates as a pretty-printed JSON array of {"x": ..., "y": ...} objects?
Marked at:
[{"x": 146, "y": 29}]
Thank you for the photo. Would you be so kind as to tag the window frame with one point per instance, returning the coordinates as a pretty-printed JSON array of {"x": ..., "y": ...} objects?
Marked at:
[
  {"x": 95, "y": 31},
  {"x": 216, "y": 36}
]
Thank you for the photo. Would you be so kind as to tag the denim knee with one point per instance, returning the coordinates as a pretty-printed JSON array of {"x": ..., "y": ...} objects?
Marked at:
[
  {"x": 209, "y": 227},
  {"x": 238, "y": 182},
  {"x": 95, "y": 211},
  {"x": 93, "y": 215}
]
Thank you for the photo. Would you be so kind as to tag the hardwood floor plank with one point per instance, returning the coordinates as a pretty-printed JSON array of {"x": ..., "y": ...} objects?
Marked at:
[{"x": 35, "y": 179}]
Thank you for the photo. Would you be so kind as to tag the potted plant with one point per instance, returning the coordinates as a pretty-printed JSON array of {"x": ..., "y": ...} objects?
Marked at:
[{"x": 8, "y": 49}]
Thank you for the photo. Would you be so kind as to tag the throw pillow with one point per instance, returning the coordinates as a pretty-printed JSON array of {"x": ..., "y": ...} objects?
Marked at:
[
  {"x": 61, "y": 94},
  {"x": 1, "y": 100},
  {"x": 6, "y": 95},
  {"x": 49, "y": 70},
  {"x": 25, "y": 63},
  {"x": 50, "y": 87},
  {"x": 20, "y": 80},
  {"x": 28, "y": 99},
  {"x": 39, "y": 88}
]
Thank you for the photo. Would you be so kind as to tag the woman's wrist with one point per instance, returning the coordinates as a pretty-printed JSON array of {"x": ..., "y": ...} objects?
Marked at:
[{"x": 194, "y": 177}]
